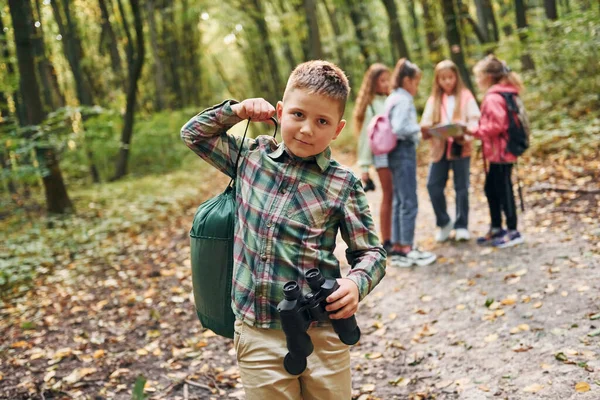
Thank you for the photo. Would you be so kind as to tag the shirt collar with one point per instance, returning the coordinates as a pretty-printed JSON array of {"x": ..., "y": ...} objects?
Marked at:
[{"x": 322, "y": 159}]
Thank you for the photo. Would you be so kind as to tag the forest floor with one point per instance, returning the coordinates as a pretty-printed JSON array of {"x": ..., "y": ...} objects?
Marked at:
[{"x": 480, "y": 323}]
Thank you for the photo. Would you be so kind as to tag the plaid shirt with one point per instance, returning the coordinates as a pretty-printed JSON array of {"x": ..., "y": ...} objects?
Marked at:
[{"x": 289, "y": 213}]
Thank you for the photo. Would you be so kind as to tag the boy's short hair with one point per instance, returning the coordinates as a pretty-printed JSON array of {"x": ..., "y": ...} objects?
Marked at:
[{"x": 320, "y": 77}]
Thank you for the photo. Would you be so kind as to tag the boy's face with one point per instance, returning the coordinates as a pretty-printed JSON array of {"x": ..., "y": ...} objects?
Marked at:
[{"x": 309, "y": 122}]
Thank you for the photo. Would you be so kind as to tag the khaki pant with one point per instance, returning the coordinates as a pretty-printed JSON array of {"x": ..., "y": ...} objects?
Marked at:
[{"x": 260, "y": 354}]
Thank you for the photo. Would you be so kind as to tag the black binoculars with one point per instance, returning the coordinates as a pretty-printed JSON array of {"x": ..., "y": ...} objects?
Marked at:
[{"x": 297, "y": 312}]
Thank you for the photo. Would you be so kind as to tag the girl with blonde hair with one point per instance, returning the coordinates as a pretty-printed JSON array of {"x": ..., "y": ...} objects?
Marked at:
[{"x": 450, "y": 102}]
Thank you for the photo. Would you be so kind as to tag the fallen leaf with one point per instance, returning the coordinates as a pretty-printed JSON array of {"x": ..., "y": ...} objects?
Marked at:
[
  {"x": 533, "y": 388},
  {"x": 367, "y": 388},
  {"x": 76, "y": 375},
  {"x": 373, "y": 356},
  {"x": 484, "y": 388},
  {"x": 538, "y": 304},
  {"x": 491, "y": 338},
  {"x": 99, "y": 353},
  {"x": 582, "y": 387},
  {"x": 460, "y": 307},
  {"x": 426, "y": 299}
]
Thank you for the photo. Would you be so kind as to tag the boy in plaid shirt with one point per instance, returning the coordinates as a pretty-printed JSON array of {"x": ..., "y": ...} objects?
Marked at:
[{"x": 292, "y": 199}]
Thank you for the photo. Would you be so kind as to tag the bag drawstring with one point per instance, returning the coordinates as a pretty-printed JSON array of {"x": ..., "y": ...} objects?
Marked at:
[{"x": 237, "y": 159}]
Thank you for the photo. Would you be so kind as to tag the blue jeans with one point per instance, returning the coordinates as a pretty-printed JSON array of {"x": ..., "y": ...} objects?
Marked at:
[
  {"x": 403, "y": 164},
  {"x": 436, "y": 183}
]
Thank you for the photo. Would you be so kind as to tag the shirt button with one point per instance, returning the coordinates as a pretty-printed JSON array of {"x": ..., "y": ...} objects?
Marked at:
[
  {"x": 263, "y": 257},
  {"x": 282, "y": 190}
]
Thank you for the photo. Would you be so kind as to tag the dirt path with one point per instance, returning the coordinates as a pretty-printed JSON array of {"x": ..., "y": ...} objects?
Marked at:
[{"x": 479, "y": 324}]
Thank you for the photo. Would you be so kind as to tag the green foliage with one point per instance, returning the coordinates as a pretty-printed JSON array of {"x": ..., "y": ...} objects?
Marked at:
[{"x": 107, "y": 213}]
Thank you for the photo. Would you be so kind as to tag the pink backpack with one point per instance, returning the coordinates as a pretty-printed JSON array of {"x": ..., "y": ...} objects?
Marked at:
[{"x": 382, "y": 138}]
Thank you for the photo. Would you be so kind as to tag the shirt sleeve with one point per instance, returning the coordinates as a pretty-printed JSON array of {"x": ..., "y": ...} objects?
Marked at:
[
  {"x": 206, "y": 135},
  {"x": 427, "y": 117},
  {"x": 365, "y": 254},
  {"x": 365, "y": 156},
  {"x": 403, "y": 118}
]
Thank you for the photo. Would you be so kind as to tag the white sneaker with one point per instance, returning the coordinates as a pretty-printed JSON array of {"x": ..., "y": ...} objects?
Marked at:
[
  {"x": 462, "y": 234},
  {"x": 421, "y": 258},
  {"x": 443, "y": 233}
]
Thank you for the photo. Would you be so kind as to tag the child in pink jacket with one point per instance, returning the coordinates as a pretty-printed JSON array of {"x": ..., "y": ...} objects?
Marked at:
[{"x": 494, "y": 77}]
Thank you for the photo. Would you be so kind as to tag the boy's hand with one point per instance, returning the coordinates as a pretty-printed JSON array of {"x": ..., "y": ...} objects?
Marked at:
[
  {"x": 344, "y": 300},
  {"x": 257, "y": 109}
]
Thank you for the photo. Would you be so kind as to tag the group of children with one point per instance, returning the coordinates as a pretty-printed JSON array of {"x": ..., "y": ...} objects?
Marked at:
[
  {"x": 450, "y": 103},
  {"x": 293, "y": 198}
]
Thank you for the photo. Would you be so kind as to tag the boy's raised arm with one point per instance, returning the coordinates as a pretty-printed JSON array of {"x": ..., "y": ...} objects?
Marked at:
[
  {"x": 206, "y": 134},
  {"x": 365, "y": 254}
]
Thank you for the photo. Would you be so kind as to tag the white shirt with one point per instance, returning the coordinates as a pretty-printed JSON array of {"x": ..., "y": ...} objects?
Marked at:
[{"x": 450, "y": 105}]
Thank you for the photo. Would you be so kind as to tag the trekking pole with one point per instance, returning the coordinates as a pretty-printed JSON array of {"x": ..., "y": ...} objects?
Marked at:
[{"x": 519, "y": 187}]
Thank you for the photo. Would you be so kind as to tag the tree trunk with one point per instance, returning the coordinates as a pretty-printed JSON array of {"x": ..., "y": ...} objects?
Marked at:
[
  {"x": 110, "y": 41},
  {"x": 190, "y": 41},
  {"x": 74, "y": 53},
  {"x": 477, "y": 29},
  {"x": 258, "y": 16},
  {"x": 415, "y": 27},
  {"x": 135, "y": 61},
  {"x": 57, "y": 199},
  {"x": 505, "y": 9},
  {"x": 526, "y": 60},
  {"x": 173, "y": 53},
  {"x": 159, "y": 80},
  {"x": 398, "y": 44},
  {"x": 337, "y": 31},
  {"x": 550, "y": 8},
  {"x": 453, "y": 35},
  {"x": 286, "y": 38},
  {"x": 360, "y": 29},
  {"x": 487, "y": 20},
  {"x": 314, "y": 38},
  {"x": 431, "y": 32},
  {"x": 51, "y": 90}
]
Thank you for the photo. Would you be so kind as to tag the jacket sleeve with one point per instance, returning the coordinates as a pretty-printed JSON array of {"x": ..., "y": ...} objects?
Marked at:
[
  {"x": 403, "y": 118},
  {"x": 365, "y": 156},
  {"x": 473, "y": 115},
  {"x": 427, "y": 117},
  {"x": 493, "y": 120},
  {"x": 206, "y": 135},
  {"x": 365, "y": 254}
]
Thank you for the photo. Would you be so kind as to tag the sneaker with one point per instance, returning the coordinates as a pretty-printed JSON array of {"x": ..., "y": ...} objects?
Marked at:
[
  {"x": 400, "y": 260},
  {"x": 512, "y": 238},
  {"x": 444, "y": 232},
  {"x": 387, "y": 246},
  {"x": 369, "y": 185},
  {"x": 462, "y": 234},
  {"x": 413, "y": 257},
  {"x": 421, "y": 258},
  {"x": 492, "y": 235}
]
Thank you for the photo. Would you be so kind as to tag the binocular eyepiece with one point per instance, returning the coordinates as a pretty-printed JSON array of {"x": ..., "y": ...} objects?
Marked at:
[{"x": 298, "y": 311}]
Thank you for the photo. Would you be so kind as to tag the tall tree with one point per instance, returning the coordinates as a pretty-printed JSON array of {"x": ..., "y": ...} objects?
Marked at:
[
  {"x": 52, "y": 95},
  {"x": 108, "y": 38},
  {"x": 257, "y": 15},
  {"x": 333, "y": 14},
  {"x": 487, "y": 20},
  {"x": 135, "y": 61},
  {"x": 314, "y": 38},
  {"x": 551, "y": 10},
  {"x": 157, "y": 66},
  {"x": 286, "y": 36},
  {"x": 432, "y": 35},
  {"x": 526, "y": 60},
  {"x": 57, "y": 199},
  {"x": 191, "y": 42},
  {"x": 453, "y": 36},
  {"x": 399, "y": 48},
  {"x": 361, "y": 29}
]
